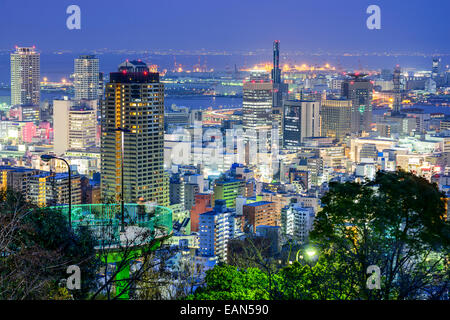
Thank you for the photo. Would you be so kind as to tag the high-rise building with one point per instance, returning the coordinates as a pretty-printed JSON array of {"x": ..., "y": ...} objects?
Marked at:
[
  {"x": 86, "y": 77},
  {"x": 280, "y": 91},
  {"x": 25, "y": 75},
  {"x": 74, "y": 125},
  {"x": 276, "y": 71},
  {"x": 216, "y": 228},
  {"x": 359, "y": 90},
  {"x": 436, "y": 68},
  {"x": 336, "y": 118},
  {"x": 134, "y": 103},
  {"x": 397, "y": 91},
  {"x": 300, "y": 120},
  {"x": 257, "y": 104}
]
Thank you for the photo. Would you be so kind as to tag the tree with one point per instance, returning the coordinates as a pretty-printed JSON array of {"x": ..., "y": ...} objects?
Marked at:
[
  {"x": 36, "y": 247},
  {"x": 225, "y": 282},
  {"x": 395, "y": 222}
]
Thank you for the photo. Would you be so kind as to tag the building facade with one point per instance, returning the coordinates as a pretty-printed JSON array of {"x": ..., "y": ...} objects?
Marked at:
[
  {"x": 86, "y": 77},
  {"x": 301, "y": 120},
  {"x": 25, "y": 76},
  {"x": 134, "y": 102}
]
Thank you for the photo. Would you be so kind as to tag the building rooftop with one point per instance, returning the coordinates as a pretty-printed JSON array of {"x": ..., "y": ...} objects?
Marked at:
[{"x": 257, "y": 204}]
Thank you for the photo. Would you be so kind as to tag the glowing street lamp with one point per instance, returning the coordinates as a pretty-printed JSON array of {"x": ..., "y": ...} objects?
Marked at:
[{"x": 310, "y": 254}]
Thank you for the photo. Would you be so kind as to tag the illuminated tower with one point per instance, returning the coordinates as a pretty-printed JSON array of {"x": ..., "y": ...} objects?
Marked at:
[
  {"x": 276, "y": 71},
  {"x": 86, "y": 77},
  {"x": 397, "y": 91},
  {"x": 279, "y": 91},
  {"x": 25, "y": 75},
  {"x": 133, "y": 110}
]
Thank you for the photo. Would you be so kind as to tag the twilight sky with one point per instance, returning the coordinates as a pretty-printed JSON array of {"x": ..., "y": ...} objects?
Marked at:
[{"x": 307, "y": 25}]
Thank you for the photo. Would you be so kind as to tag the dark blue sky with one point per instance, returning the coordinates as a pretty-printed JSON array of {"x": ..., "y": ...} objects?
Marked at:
[{"x": 338, "y": 25}]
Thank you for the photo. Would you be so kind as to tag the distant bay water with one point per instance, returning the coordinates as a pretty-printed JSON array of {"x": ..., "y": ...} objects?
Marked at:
[{"x": 56, "y": 66}]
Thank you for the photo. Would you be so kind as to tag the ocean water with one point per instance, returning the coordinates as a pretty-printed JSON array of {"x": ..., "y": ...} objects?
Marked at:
[{"x": 57, "y": 66}]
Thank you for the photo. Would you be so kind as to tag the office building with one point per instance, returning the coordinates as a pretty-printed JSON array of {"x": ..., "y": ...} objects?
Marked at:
[
  {"x": 336, "y": 118},
  {"x": 29, "y": 113},
  {"x": 300, "y": 120},
  {"x": 86, "y": 78},
  {"x": 261, "y": 213},
  {"x": 134, "y": 103},
  {"x": 359, "y": 89},
  {"x": 25, "y": 76},
  {"x": 229, "y": 190},
  {"x": 257, "y": 104},
  {"x": 74, "y": 125}
]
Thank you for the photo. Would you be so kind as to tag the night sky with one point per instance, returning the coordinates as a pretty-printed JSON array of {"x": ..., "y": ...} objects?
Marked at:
[{"x": 330, "y": 25}]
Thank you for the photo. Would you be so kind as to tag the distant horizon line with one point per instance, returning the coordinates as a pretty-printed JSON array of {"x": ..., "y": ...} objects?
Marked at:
[{"x": 252, "y": 52}]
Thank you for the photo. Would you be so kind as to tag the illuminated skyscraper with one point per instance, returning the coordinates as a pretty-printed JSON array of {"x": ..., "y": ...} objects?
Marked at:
[
  {"x": 86, "y": 80},
  {"x": 397, "y": 91},
  {"x": 134, "y": 102},
  {"x": 279, "y": 91},
  {"x": 359, "y": 90},
  {"x": 336, "y": 118},
  {"x": 25, "y": 75},
  {"x": 257, "y": 103},
  {"x": 276, "y": 71}
]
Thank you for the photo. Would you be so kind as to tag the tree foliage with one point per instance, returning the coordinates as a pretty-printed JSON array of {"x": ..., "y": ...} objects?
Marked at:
[{"x": 395, "y": 222}]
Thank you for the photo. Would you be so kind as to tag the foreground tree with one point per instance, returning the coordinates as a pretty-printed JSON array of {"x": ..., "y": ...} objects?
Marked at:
[
  {"x": 395, "y": 222},
  {"x": 36, "y": 247},
  {"x": 228, "y": 283}
]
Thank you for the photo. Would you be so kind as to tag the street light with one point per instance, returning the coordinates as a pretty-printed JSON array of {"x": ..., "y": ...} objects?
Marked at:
[
  {"x": 122, "y": 201},
  {"x": 47, "y": 158},
  {"x": 311, "y": 254}
]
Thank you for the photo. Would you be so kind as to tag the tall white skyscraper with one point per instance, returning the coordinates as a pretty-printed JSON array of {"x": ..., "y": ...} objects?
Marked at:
[
  {"x": 86, "y": 79},
  {"x": 25, "y": 75}
]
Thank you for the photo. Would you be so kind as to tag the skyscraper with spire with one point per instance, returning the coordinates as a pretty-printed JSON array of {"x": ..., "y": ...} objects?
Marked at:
[
  {"x": 276, "y": 71},
  {"x": 279, "y": 91}
]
